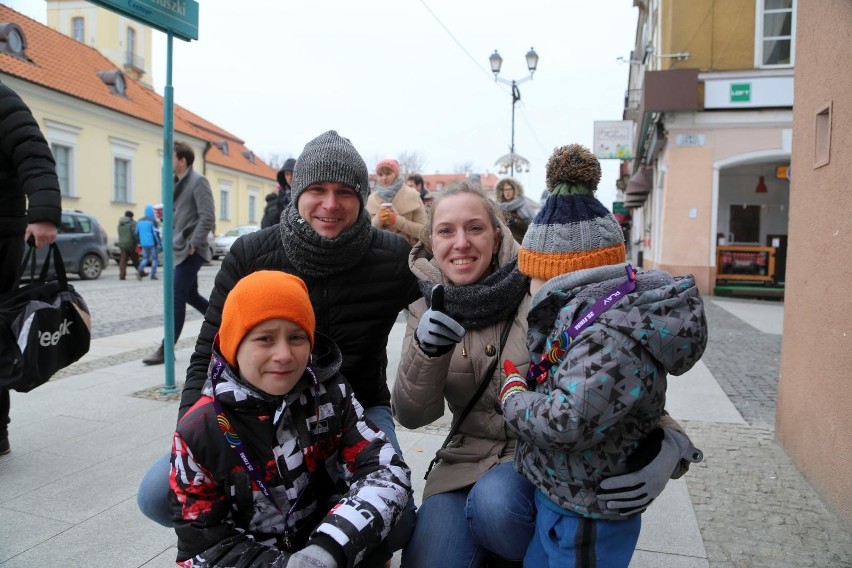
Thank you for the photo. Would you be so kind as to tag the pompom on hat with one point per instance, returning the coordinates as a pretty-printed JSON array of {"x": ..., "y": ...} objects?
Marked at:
[
  {"x": 330, "y": 157},
  {"x": 573, "y": 230},
  {"x": 261, "y": 296},
  {"x": 389, "y": 163}
]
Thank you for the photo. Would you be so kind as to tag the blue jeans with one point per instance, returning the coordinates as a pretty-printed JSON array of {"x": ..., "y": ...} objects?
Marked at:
[
  {"x": 153, "y": 495},
  {"x": 186, "y": 290},
  {"x": 565, "y": 540},
  {"x": 149, "y": 254},
  {"x": 456, "y": 529}
]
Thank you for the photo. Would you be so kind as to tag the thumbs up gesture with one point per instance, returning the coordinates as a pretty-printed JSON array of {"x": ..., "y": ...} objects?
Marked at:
[{"x": 437, "y": 333}]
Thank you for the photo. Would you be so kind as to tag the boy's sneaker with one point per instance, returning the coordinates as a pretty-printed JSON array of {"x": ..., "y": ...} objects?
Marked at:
[
  {"x": 4, "y": 444},
  {"x": 154, "y": 278}
]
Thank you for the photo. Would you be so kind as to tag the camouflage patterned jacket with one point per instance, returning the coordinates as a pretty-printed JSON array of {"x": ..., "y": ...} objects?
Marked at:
[{"x": 587, "y": 419}]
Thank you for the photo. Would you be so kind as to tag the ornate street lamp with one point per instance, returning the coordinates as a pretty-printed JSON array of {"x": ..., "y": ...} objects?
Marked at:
[{"x": 497, "y": 62}]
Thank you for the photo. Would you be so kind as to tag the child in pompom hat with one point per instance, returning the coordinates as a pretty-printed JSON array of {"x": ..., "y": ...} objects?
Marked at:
[
  {"x": 594, "y": 407},
  {"x": 276, "y": 461}
]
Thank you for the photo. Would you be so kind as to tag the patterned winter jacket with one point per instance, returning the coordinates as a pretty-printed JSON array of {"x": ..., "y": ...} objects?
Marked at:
[
  {"x": 588, "y": 419},
  {"x": 337, "y": 479}
]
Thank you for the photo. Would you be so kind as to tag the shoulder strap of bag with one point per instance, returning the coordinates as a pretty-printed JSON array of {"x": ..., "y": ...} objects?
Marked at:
[{"x": 481, "y": 389}]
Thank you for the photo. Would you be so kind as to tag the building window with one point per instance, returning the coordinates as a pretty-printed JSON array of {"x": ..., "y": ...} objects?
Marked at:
[
  {"x": 252, "y": 204},
  {"x": 123, "y": 156},
  {"x": 62, "y": 156},
  {"x": 224, "y": 201},
  {"x": 776, "y": 21},
  {"x": 78, "y": 29},
  {"x": 121, "y": 180},
  {"x": 63, "y": 143}
]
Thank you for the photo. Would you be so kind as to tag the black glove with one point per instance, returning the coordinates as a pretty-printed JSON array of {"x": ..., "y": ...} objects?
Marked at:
[
  {"x": 437, "y": 333},
  {"x": 631, "y": 493}
]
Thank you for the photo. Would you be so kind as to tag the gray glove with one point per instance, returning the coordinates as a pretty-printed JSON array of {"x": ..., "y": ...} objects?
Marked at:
[
  {"x": 631, "y": 493},
  {"x": 437, "y": 333},
  {"x": 312, "y": 556}
]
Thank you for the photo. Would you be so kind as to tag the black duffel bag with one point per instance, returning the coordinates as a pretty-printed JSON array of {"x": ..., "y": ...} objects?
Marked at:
[{"x": 44, "y": 325}]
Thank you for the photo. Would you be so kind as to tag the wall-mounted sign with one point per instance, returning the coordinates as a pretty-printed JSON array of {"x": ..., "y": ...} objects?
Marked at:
[
  {"x": 614, "y": 139},
  {"x": 782, "y": 172},
  {"x": 694, "y": 140},
  {"x": 747, "y": 91},
  {"x": 740, "y": 92}
]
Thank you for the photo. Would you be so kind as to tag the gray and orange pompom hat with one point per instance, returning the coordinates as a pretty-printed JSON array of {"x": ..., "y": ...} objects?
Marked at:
[{"x": 573, "y": 230}]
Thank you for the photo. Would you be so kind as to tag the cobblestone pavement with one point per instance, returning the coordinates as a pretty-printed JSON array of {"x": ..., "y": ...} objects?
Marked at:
[
  {"x": 121, "y": 306},
  {"x": 753, "y": 506}
]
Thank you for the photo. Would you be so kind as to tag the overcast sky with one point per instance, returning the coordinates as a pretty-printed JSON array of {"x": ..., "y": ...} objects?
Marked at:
[{"x": 405, "y": 75}]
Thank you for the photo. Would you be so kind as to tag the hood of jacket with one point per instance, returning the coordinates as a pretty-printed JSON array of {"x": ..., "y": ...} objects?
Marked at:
[
  {"x": 498, "y": 189},
  {"x": 149, "y": 211},
  {"x": 664, "y": 314}
]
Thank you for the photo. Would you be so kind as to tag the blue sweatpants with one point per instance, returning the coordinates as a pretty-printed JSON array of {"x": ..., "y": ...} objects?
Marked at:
[{"x": 565, "y": 540}]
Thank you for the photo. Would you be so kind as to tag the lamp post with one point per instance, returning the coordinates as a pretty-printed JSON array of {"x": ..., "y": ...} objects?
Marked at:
[{"x": 497, "y": 62}]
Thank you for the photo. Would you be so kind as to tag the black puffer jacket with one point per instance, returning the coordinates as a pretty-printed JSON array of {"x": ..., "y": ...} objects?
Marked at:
[
  {"x": 356, "y": 308},
  {"x": 27, "y": 169}
]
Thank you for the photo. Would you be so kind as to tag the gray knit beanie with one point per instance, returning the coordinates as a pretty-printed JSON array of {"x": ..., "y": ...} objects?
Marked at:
[{"x": 330, "y": 157}]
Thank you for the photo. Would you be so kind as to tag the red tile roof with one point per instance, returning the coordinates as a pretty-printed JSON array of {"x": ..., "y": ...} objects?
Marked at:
[{"x": 62, "y": 64}]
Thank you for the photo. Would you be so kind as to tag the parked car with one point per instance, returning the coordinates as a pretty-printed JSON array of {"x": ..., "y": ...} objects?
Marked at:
[
  {"x": 222, "y": 243},
  {"x": 83, "y": 244}
]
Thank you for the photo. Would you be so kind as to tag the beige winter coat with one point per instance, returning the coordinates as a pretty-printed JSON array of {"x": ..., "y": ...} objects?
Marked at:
[
  {"x": 423, "y": 383},
  {"x": 411, "y": 215}
]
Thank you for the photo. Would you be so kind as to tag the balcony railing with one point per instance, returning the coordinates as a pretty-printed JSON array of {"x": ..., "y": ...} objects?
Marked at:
[{"x": 134, "y": 62}]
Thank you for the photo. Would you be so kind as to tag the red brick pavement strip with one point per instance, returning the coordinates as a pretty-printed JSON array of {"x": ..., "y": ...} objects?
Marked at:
[{"x": 755, "y": 509}]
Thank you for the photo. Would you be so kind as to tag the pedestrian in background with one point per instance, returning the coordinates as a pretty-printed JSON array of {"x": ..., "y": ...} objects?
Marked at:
[
  {"x": 415, "y": 181},
  {"x": 127, "y": 242},
  {"x": 358, "y": 281},
  {"x": 593, "y": 408},
  {"x": 30, "y": 202},
  {"x": 395, "y": 206},
  {"x": 278, "y": 201},
  {"x": 272, "y": 378},
  {"x": 516, "y": 211},
  {"x": 193, "y": 222},
  {"x": 148, "y": 233}
]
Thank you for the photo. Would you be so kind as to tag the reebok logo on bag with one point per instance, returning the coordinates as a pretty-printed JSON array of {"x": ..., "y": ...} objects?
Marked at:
[{"x": 49, "y": 339}]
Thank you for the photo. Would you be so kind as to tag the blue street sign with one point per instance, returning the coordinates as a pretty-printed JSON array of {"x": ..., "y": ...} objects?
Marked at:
[{"x": 180, "y": 17}]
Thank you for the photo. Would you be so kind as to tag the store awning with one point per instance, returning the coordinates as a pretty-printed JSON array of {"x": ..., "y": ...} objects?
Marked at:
[{"x": 639, "y": 184}]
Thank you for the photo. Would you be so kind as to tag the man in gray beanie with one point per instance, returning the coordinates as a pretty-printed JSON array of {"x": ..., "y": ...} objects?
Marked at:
[{"x": 358, "y": 281}]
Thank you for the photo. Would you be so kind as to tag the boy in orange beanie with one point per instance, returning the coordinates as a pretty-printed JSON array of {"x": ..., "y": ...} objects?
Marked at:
[
  {"x": 328, "y": 489},
  {"x": 603, "y": 340}
]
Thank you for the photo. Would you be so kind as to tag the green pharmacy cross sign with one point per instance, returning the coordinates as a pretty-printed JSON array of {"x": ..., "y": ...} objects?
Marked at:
[{"x": 180, "y": 17}]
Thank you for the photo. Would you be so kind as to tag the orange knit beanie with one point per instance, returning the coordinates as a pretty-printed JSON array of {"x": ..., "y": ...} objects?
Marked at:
[{"x": 261, "y": 296}]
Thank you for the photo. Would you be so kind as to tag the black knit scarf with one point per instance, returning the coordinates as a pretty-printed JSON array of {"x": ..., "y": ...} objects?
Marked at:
[
  {"x": 314, "y": 255},
  {"x": 493, "y": 299}
]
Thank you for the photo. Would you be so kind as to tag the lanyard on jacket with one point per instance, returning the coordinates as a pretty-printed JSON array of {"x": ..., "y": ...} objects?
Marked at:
[
  {"x": 555, "y": 350},
  {"x": 233, "y": 440}
]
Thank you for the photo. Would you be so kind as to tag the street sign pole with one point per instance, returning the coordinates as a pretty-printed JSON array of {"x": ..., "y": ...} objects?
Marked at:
[{"x": 168, "y": 218}]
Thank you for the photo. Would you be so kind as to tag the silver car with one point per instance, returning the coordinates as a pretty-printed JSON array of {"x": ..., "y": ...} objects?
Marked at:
[{"x": 222, "y": 243}]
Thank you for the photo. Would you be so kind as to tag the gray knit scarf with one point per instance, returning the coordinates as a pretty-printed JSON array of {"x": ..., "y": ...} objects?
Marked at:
[
  {"x": 388, "y": 192},
  {"x": 314, "y": 255},
  {"x": 493, "y": 299},
  {"x": 513, "y": 204}
]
